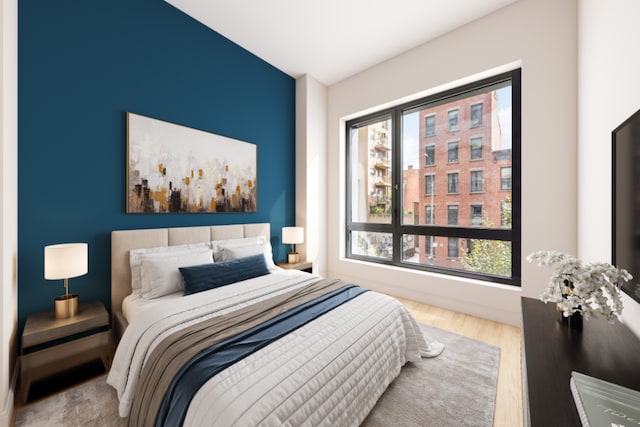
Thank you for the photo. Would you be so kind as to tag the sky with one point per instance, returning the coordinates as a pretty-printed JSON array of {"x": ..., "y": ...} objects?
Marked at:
[{"x": 411, "y": 129}]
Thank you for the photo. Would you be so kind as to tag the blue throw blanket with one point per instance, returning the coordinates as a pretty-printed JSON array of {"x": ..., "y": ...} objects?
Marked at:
[{"x": 219, "y": 356}]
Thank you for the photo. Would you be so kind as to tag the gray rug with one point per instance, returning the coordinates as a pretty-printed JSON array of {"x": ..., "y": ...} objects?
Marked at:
[{"x": 458, "y": 388}]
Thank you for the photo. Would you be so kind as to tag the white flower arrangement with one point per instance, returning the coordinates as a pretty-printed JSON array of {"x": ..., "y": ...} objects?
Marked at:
[{"x": 582, "y": 287}]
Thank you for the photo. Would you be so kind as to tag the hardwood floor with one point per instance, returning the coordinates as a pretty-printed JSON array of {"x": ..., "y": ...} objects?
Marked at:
[{"x": 508, "y": 412}]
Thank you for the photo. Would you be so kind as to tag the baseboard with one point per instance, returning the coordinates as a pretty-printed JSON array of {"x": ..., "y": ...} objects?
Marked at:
[
  {"x": 488, "y": 301},
  {"x": 6, "y": 415}
]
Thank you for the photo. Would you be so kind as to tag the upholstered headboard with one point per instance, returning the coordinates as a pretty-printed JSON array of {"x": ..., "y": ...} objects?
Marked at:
[{"x": 122, "y": 241}]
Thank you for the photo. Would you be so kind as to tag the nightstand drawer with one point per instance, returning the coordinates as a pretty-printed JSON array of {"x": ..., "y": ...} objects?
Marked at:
[{"x": 66, "y": 355}]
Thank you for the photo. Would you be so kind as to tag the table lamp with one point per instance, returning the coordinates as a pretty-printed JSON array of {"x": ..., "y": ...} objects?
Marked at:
[
  {"x": 63, "y": 262},
  {"x": 293, "y": 236}
]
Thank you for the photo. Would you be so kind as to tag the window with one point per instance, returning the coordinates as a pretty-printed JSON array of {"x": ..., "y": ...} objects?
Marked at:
[
  {"x": 429, "y": 155},
  {"x": 428, "y": 214},
  {"x": 452, "y": 183},
  {"x": 476, "y": 181},
  {"x": 452, "y": 152},
  {"x": 505, "y": 213},
  {"x": 452, "y": 247},
  {"x": 452, "y": 215},
  {"x": 505, "y": 178},
  {"x": 430, "y": 125},
  {"x": 428, "y": 184},
  {"x": 428, "y": 246},
  {"x": 454, "y": 120},
  {"x": 474, "y": 235},
  {"x": 476, "y": 214},
  {"x": 476, "y": 148},
  {"x": 476, "y": 115}
]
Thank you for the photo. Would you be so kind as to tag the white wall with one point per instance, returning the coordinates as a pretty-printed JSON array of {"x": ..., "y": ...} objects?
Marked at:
[
  {"x": 8, "y": 202},
  {"x": 311, "y": 170},
  {"x": 541, "y": 35},
  {"x": 609, "y": 88}
]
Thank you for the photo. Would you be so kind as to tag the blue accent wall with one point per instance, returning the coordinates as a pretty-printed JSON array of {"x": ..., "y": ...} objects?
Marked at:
[{"x": 82, "y": 65}]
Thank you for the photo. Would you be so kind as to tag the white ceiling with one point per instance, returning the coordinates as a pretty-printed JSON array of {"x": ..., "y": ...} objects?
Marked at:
[{"x": 333, "y": 39}]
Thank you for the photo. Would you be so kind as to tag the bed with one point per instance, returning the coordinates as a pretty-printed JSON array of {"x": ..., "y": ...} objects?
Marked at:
[{"x": 240, "y": 342}]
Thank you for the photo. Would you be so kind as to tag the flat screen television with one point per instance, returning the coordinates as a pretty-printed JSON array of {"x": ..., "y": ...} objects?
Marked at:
[{"x": 626, "y": 201}]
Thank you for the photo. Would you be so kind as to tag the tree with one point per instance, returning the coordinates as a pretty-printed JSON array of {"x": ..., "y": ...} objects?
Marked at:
[{"x": 491, "y": 256}]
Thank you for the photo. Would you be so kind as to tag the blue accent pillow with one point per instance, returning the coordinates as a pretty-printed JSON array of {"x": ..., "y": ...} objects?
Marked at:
[{"x": 200, "y": 278}]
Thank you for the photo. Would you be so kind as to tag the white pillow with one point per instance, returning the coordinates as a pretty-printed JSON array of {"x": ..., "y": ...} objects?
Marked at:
[
  {"x": 159, "y": 252},
  {"x": 219, "y": 245},
  {"x": 160, "y": 276},
  {"x": 224, "y": 250}
]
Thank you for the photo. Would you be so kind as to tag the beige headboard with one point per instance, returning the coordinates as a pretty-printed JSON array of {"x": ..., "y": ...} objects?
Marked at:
[{"x": 122, "y": 241}]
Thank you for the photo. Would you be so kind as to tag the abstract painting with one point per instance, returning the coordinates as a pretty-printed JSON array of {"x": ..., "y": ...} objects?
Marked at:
[{"x": 177, "y": 169}]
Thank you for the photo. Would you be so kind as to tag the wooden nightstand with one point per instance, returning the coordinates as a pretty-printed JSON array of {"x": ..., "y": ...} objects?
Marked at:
[
  {"x": 51, "y": 345},
  {"x": 302, "y": 266}
]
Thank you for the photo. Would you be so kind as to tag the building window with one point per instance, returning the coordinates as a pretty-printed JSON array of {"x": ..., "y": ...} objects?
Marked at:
[
  {"x": 452, "y": 247},
  {"x": 505, "y": 178},
  {"x": 429, "y": 155},
  {"x": 376, "y": 229},
  {"x": 454, "y": 120},
  {"x": 476, "y": 214},
  {"x": 505, "y": 213},
  {"x": 452, "y": 183},
  {"x": 476, "y": 115},
  {"x": 428, "y": 246},
  {"x": 452, "y": 215},
  {"x": 452, "y": 152},
  {"x": 428, "y": 214},
  {"x": 476, "y": 181},
  {"x": 429, "y": 181},
  {"x": 430, "y": 125},
  {"x": 476, "y": 148}
]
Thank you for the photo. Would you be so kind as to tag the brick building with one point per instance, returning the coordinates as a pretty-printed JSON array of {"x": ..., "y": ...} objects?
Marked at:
[{"x": 465, "y": 174}]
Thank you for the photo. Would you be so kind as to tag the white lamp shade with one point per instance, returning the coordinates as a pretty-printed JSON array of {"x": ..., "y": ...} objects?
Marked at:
[
  {"x": 292, "y": 235},
  {"x": 65, "y": 260}
]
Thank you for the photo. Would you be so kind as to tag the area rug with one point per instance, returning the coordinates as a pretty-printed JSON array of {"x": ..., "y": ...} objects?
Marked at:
[{"x": 458, "y": 388}]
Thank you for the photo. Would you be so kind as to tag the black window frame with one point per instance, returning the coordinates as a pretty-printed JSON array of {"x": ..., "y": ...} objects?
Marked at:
[{"x": 397, "y": 228}]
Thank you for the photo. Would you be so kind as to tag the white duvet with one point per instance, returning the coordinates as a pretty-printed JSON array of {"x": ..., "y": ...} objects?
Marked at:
[{"x": 329, "y": 372}]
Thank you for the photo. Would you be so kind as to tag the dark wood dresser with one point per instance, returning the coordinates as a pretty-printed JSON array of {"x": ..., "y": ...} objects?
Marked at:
[{"x": 551, "y": 350}]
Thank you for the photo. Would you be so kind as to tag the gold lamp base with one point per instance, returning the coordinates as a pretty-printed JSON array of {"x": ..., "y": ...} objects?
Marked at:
[
  {"x": 293, "y": 257},
  {"x": 66, "y": 306}
]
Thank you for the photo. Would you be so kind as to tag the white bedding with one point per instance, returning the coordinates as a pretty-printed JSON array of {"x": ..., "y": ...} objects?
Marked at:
[
  {"x": 135, "y": 305},
  {"x": 329, "y": 372}
]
